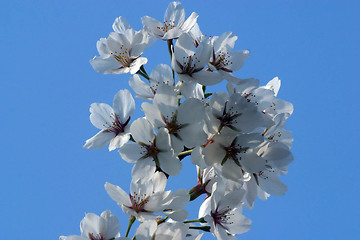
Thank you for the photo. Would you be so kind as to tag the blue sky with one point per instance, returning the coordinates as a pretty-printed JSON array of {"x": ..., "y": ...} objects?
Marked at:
[{"x": 49, "y": 181}]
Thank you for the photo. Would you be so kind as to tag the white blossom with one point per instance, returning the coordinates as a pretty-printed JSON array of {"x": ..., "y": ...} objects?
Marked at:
[
  {"x": 161, "y": 75},
  {"x": 148, "y": 197},
  {"x": 234, "y": 154},
  {"x": 190, "y": 64},
  {"x": 181, "y": 121},
  {"x": 174, "y": 23},
  {"x": 237, "y": 140},
  {"x": 234, "y": 113},
  {"x": 223, "y": 212},
  {"x": 224, "y": 60},
  {"x": 113, "y": 122},
  {"x": 94, "y": 227},
  {"x": 121, "y": 51},
  {"x": 150, "y": 150}
]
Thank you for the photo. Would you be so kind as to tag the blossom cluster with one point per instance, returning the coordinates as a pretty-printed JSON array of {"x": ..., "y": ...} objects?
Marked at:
[{"x": 235, "y": 138}]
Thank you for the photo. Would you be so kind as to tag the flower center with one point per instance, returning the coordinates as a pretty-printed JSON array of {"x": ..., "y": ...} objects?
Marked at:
[
  {"x": 221, "y": 61},
  {"x": 172, "y": 124},
  {"x": 138, "y": 202},
  {"x": 97, "y": 237},
  {"x": 167, "y": 25},
  {"x": 150, "y": 150},
  {"x": 229, "y": 117},
  {"x": 188, "y": 65},
  {"x": 233, "y": 152},
  {"x": 221, "y": 217},
  {"x": 123, "y": 56},
  {"x": 116, "y": 126}
]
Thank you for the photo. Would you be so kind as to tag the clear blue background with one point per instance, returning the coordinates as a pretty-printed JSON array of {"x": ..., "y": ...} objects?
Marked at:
[{"x": 48, "y": 181}]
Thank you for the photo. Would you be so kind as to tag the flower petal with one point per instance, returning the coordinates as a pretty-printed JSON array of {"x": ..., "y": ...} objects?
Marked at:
[
  {"x": 153, "y": 114},
  {"x": 190, "y": 22},
  {"x": 175, "y": 14},
  {"x": 90, "y": 225},
  {"x": 238, "y": 58},
  {"x": 124, "y": 105},
  {"x": 104, "y": 65},
  {"x": 143, "y": 169},
  {"x": 121, "y": 25},
  {"x": 142, "y": 131},
  {"x": 117, "y": 194},
  {"x": 101, "y": 115},
  {"x": 169, "y": 163},
  {"x": 225, "y": 42},
  {"x": 111, "y": 225},
  {"x": 193, "y": 135},
  {"x": 162, "y": 73},
  {"x": 136, "y": 64},
  {"x": 166, "y": 100},
  {"x": 207, "y": 78},
  {"x": 119, "y": 141},
  {"x": 271, "y": 184},
  {"x": 191, "y": 111},
  {"x": 152, "y": 26},
  {"x": 141, "y": 89},
  {"x": 131, "y": 152},
  {"x": 184, "y": 48},
  {"x": 100, "y": 140}
]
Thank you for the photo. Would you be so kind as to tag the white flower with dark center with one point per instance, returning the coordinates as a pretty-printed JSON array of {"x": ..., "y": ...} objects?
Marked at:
[
  {"x": 263, "y": 184},
  {"x": 264, "y": 98},
  {"x": 161, "y": 75},
  {"x": 233, "y": 155},
  {"x": 233, "y": 112},
  {"x": 121, "y": 51},
  {"x": 277, "y": 133},
  {"x": 181, "y": 121},
  {"x": 190, "y": 64},
  {"x": 150, "y": 151},
  {"x": 223, "y": 212},
  {"x": 267, "y": 182},
  {"x": 94, "y": 227},
  {"x": 224, "y": 60},
  {"x": 174, "y": 23},
  {"x": 113, "y": 122},
  {"x": 148, "y": 197}
]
